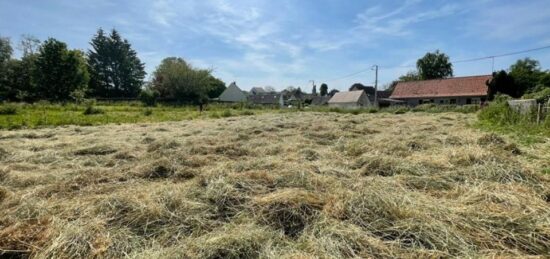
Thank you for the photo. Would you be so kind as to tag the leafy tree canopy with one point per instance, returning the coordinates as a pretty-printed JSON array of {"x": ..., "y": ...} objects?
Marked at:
[
  {"x": 59, "y": 72},
  {"x": 176, "y": 79},
  {"x": 527, "y": 74},
  {"x": 504, "y": 84},
  {"x": 216, "y": 87},
  {"x": 323, "y": 90},
  {"x": 434, "y": 66}
]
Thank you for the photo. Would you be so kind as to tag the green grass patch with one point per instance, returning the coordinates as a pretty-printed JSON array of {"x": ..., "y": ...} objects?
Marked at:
[
  {"x": 499, "y": 117},
  {"x": 17, "y": 116}
]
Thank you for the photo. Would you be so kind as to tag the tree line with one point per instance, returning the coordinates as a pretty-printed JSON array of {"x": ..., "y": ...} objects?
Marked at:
[{"x": 110, "y": 69}]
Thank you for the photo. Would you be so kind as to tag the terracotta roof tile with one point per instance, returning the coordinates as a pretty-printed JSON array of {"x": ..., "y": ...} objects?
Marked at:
[{"x": 457, "y": 86}]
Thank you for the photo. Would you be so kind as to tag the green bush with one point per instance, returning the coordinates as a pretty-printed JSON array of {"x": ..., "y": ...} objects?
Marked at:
[
  {"x": 226, "y": 113},
  {"x": 247, "y": 113},
  {"x": 541, "y": 96},
  {"x": 92, "y": 110},
  {"x": 148, "y": 97},
  {"x": 148, "y": 112},
  {"x": 8, "y": 109}
]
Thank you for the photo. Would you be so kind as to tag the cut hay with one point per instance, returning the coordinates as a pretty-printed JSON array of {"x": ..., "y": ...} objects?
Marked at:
[{"x": 275, "y": 185}]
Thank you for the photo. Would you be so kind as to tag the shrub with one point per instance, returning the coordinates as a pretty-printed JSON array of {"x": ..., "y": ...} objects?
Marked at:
[
  {"x": 8, "y": 109},
  {"x": 541, "y": 96},
  {"x": 148, "y": 112},
  {"x": 247, "y": 113},
  {"x": 148, "y": 97},
  {"x": 226, "y": 113},
  {"x": 92, "y": 110}
]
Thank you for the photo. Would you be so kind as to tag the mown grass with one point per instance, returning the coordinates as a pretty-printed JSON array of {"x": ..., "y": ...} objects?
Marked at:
[
  {"x": 18, "y": 116},
  {"x": 274, "y": 185}
]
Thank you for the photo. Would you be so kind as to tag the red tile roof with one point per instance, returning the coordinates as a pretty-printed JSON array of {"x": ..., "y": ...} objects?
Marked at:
[{"x": 457, "y": 86}]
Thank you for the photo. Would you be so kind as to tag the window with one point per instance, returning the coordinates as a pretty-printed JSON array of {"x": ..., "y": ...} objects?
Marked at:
[
  {"x": 476, "y": 101},
  {"x": 453, "y": 101},
  {"x": 468, "y": 101}
]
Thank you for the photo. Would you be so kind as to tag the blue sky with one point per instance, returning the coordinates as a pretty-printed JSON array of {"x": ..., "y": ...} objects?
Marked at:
[{"x": 289, "y": 42}]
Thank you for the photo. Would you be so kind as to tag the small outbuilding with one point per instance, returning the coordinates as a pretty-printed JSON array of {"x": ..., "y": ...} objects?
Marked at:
[
  {"x": 233, "y": 94},
  {"x": 352, "y": 99}
]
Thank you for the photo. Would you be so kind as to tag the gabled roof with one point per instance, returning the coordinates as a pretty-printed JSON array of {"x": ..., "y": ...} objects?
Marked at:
[
  {"x": 265, "y": 98},
  {"x": 232, "y": 94},
  {"x": 457, "y": 86},
  {"x": 347, "y": 97},
  {"x": 257, "y": 90}
]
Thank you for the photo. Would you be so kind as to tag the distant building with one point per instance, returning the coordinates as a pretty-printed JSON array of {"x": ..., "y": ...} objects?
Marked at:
[
  {"x": 320, "y": 100},
  {"x": 267, "y": 99},
  {"x": 457, "y": 90},
  {"x": 257, "y": 91},
  {"x": 352, "y": 99},
  {"x": 232, "y": 94}
]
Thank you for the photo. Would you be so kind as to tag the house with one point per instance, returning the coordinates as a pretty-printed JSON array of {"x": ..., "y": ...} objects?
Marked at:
[
  {"x": 257, "y": 91},
  {"x": 457, "y": 90},
  {"x": 352, "y": 99},
  {"x": 232, "y": 94},
  {"x": 320, "y": 100},
  {"x": 267, "y": 99}
]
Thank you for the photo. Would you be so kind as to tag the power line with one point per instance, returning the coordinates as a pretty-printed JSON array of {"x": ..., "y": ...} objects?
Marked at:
[{"x": 454, "y": 62}]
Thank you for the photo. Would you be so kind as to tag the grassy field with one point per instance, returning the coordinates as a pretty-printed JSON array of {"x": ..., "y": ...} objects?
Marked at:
[
  {"x": 17, "y": 116},
  {"x": 275, "y": 185},
  {"x": 14, "y": 116}
]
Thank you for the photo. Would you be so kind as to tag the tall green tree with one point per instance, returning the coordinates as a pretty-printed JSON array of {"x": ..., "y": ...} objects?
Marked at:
[
  {"x": 503, "y": 83},
  {"x": 5, "y": 56},
  {"x": 176, "y": 79},
  {"x": 434, "y": 66},
  {"x": 323, "y": 90},
  {"x": 59, "y": 72},
  {"x": 527, "y": 74},
  {"x": 115, "y": 69}
]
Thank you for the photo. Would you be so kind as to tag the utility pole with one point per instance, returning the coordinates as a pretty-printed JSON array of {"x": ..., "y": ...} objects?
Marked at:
[
  {"x": 313, "y": 87},
  {"x": 375, "y": 67}
]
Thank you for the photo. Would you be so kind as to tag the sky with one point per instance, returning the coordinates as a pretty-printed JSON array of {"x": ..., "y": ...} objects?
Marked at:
[{"x": 283, "y": 43}]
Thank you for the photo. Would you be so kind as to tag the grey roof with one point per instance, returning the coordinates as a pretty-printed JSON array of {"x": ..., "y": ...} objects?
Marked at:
[
  {"x": 265, "y": 98},
  {"x": 320, "y": 100},
  {"x": 347, "y": 97},
  {"x": 257, "y": 90},
  {"x": 232, "y": 94}
]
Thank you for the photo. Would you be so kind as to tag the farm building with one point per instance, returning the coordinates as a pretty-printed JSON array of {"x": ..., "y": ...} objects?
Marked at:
[
  {"x": 457, "y": 90},
  {"x": 267, "y": 99},
  {"x": 232, "y": 94},
  {"x": 352, "y": 99}
]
